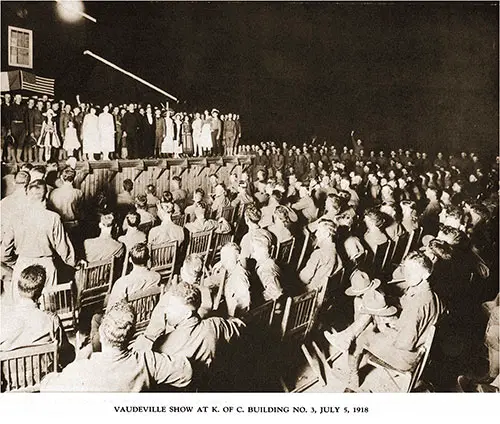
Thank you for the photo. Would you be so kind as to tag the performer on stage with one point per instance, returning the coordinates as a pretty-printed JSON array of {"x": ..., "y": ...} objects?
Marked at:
[
  {"x": 159, "y": 132},
  {"x": 90, "y": 134},
  {"x": 106, "y": 133},
  {"x": 206, "y": 136},
  {"x": 167, "y": 147},
  {"x": 216, "y": 131},
  {"x": 196, "y": 125},
  {"x": 187, "y": 137},
  {"x": 48, "y": 137}
]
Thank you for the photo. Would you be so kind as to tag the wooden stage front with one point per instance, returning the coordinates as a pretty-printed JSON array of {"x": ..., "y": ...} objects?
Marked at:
[{"x": 108, "y": 176}]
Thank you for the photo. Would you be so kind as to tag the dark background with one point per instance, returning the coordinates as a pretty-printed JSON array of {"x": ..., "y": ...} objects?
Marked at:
[{"x": 423, "y": 75}]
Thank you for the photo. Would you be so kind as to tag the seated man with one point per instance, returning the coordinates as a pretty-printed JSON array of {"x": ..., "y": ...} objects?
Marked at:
[
  {"x": 220, "y": 201},
  {"x": 252, "y": 218},
  {"x": 268, "y": 211},
  {"x": 306, "y": 205},
  {"x": 398, "y": 344},
  {"x": 103, "y": 247},
  {"x": 24, "y": 324},
  {"x": 198, "y": 197},
  {"x": 179, "y": 195},
  {"x": 184, "y": 333},
  {"x": 281, "y": 226},
  {"x": 141, "y": 207},
  {"x": 151, "y": 200},
  {"x": 139, "y": 279},
  {"x": 201, "y": 223},
  {"x": 324, "y": 260},
  {"x": 125, "y": 200},
  {"x": 266, "y": 269},
  {"x": 236, "y": 281},
  {"x": 167, "y": 231},
  {"x": 243, "y": 197},
  {"x": 116, "y": 368},
  {"x": 133, "y": 234}
]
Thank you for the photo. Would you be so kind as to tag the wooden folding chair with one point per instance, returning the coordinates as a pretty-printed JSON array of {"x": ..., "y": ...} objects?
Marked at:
[
  {"x": 262, "y": 315},
  {"x": 218, "y": 241},
  {"x": 94, "y": 282},
  {"x": 330, "y": 290},
  {"x": 414, "y": 241},
  {"x": 228, "y": 213},
  {"x": 299, "y": 315},
  {"x": 306, "y": 248},
  {"x": 22, "y": 369},
  {"x": 143, "y": 303},
  {"x": 399, "y": 249},
  {"x": 283, "y": 252},
  {"x": 380, "y": 258},
  {"x": 200, "y": 243},
  {"x": 179, "y": 219},
  {"x": 310, "y": 382},
  {"x": 146, "y": 227},
  {"x": 162, "y": 259},
  {"x": 61, "y": 300},
  {"x": 410, "y": 378}
]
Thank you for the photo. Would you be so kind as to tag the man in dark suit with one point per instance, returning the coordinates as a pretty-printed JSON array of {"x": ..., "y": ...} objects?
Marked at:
[
  {"x": 130, "y": 129},
  {"x": 216, "y": 130}
]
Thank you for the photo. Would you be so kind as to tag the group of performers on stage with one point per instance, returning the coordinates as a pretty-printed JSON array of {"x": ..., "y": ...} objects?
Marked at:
[{"x": 43, "y": 130}]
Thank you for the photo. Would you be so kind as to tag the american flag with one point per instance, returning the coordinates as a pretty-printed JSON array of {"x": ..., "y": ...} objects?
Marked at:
[{"x": 38, "y": 84}]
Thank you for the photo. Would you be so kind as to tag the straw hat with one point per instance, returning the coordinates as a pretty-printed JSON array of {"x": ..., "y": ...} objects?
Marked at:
[
  {"x": 374, "y": 304},
  {"x": 360, "y": 283}
]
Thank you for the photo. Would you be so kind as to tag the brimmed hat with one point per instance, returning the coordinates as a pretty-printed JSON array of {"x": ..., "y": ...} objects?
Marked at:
[
  {"x": 374, "y": 304},
  {"x": 360, "y": 283},
  {"x": 214, "y": 110}
]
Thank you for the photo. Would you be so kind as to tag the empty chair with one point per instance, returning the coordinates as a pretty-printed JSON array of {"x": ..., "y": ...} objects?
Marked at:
[
  {"x": 162, "y": 259},
  {"x": 298, "y": 316},
  {"x": 200, "y": 243},
  {"x": 23, "y": 369},
  {"x": 143, "y": 303},
  {"x": 61, "y": 300},
  {"x": 409, "y": 378},
  {"x": 332, "y": 289}
]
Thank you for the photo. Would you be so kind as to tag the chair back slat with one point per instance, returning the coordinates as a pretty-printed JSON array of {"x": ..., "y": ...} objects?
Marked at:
[
  {"x": 399, "y": 249},
  {"x": 299, "y": 315},
  {"x": 262, "y": 315},
  {"x": 179, "y": 219},
  {"x": 228, "y": 213},
  {"x": 23, "y": 369},
  {"x": 61, "y": 300},
  {"x": 163, "y": 257},
  {"x": 143, "y": 304},
  {"x": 94, "y": 281},
  {"x": 200, "y": 243},
  {"x": 306, "y": 245},
  {"x": 218, "y": 241}
]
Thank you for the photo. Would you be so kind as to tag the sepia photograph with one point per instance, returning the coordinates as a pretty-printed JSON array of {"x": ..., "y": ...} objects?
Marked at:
[{"x": 249, "y": 198}]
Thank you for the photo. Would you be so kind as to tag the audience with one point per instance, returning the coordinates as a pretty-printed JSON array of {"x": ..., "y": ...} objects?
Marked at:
[{"x": 336, "y": 208}]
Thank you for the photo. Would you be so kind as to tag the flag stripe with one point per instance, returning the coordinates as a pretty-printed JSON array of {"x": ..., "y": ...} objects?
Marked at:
[{"x": 36, "y": 83}]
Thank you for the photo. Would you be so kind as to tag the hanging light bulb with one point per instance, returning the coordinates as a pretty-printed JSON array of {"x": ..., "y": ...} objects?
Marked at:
[{"x": 72, "y": 11}]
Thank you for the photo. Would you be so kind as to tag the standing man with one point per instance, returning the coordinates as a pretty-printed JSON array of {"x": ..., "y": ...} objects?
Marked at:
[
  {"x": 230, "y": 131},
  {"x": 238, "y": 132},
  {"x": 160, "y": 130},
  {"x": 196, "y": 126},
  {"x": 130, "y": 129},
  {"x": 17, "y": 125},
  {"x": 30, "y": 131},
  {"x": 216, "y": 130},
  {"x": 38, "y": 238}
]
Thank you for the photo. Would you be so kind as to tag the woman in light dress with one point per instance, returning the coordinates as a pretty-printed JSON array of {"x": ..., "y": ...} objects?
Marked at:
[
  {"x": 90, "y": 134},
  {"x": 167, "y": 147},
  {"x": 71, "y": 143},
  {"x": 206, "y": 135},
  {"x": 106, "y": 133}
]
